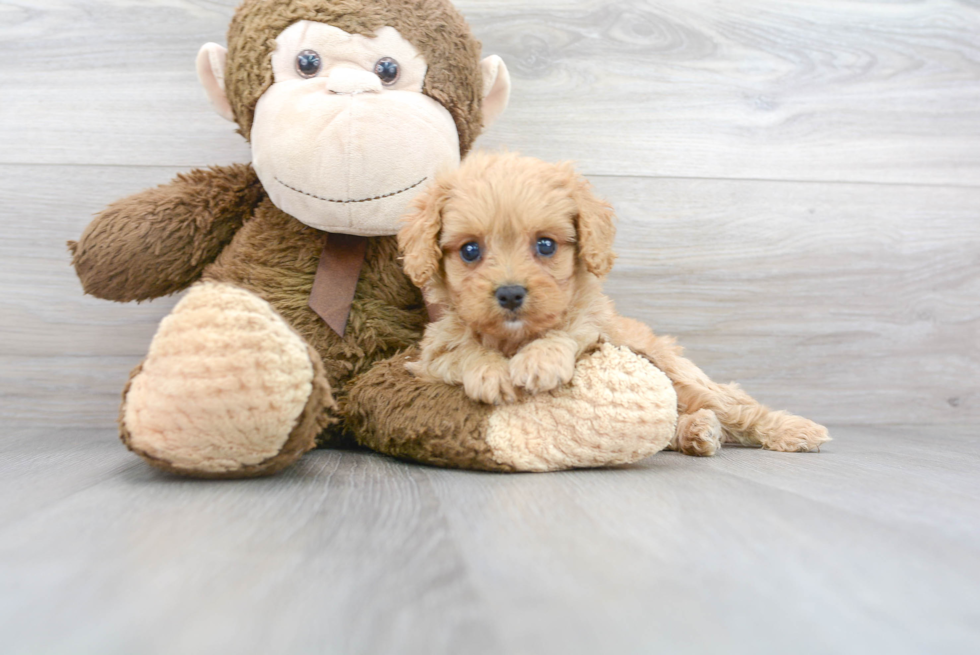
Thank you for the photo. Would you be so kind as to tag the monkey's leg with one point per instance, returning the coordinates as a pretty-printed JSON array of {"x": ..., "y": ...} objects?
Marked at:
[
  {"x": 227, "y": 390},
  {"x": 742, "y": 418},
  {"x": 618, "y": 408}
]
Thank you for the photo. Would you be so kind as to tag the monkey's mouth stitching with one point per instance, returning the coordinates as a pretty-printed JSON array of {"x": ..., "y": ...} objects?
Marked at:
[{"x": 344, "y": 202}]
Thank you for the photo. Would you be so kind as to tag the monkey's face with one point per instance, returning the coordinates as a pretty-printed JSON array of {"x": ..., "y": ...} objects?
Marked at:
[{"x": 344, "y": 138}]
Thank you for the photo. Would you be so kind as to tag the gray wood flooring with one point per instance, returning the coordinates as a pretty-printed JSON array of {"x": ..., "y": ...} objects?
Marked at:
[{"x": 871, "y": 546}]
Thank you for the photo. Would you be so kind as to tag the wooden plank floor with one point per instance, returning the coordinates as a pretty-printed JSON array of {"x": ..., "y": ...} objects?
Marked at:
[
  {"x": 872, "y": 545},
  {"x": 798, "y": 187}
]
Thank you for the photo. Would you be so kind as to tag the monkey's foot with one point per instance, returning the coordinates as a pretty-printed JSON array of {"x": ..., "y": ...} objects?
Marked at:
[{"x": 228, "y": 389}]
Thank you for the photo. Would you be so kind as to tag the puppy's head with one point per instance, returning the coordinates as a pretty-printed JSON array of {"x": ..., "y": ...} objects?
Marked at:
[{"x": 508, "y": 242}]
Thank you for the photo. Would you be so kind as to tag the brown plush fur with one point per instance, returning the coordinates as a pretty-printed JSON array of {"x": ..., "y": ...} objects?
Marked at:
[
  {"x": 434, "y": 27},
  {"x": 272, "y": 254},
  {"x": 217, "y": 224},
  {"x": 505, "y": 203},
  {"x": 275, "y": 256},
  {"x": 393, "y": 412},
  {"x": 158, "y": 242}
]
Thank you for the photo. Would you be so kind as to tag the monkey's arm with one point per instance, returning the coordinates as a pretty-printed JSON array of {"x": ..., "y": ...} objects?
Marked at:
[{"x": 158, "y": 241}]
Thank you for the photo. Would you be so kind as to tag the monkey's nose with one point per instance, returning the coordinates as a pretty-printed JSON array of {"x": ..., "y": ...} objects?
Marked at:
[
  {"x": 345, "y": 80},
  {"x": 511, "y": 297}
]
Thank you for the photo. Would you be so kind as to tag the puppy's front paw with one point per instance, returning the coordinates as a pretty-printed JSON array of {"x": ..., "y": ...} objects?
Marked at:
[
  {"x": 489, "y": 383},
  {"x": 542, "y": 365}
]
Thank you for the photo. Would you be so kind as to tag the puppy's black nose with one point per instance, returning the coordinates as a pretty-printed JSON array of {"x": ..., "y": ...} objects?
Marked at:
[{"x": 511, "y": 297}]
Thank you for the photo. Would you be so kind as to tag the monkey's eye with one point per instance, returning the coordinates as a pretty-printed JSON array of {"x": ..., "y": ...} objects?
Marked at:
[
  {"x": 470, "y": 252},
  {"x": 308, "y": 63},
  {"x": 387, "y": 69},
  {"x": 546, "y": 247}
]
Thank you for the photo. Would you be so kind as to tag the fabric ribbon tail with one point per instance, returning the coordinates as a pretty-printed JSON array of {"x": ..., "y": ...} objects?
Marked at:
[{"x": 336, "y": 279}]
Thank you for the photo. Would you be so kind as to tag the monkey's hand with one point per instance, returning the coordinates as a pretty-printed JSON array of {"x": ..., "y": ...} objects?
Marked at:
[{"x": 158, "y": 241}]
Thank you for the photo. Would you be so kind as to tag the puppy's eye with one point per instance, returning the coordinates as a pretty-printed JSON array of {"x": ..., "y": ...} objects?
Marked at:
[
  {"x": 308, "y": 63},
  {"x": 387, "y": 69},
  {"x": 546, "y": 247},
  {"x": 470, "y": 252}
]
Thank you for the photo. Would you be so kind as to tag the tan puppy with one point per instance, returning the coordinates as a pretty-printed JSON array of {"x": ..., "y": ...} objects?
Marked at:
[{"x": 512, "y": 249}]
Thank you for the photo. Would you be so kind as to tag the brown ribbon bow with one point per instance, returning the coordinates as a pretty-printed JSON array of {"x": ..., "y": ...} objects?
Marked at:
[{"x": 336, "y": 279}]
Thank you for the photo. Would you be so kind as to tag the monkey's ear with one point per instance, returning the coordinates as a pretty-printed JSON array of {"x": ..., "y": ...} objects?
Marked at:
[
  {"x": 595, "y": 225},
  {"x": 496, "y": 88},
  {"x": 418, "y": 240},
  {"x": 211, "y": 71}
]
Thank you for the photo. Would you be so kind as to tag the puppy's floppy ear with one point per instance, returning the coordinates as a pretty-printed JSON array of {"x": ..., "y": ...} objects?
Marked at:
[
  {"x": 418, "y": 240},
  {"x": 594, "y": 226}
]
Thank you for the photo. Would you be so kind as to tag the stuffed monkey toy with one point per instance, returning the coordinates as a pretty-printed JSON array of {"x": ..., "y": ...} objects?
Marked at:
[{"x": 298, "y": 318}]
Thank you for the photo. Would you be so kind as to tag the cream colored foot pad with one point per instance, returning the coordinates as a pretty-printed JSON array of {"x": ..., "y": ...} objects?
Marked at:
[
  {"x": 617, "y": 409},
  {"x": 223, "y": 385}
]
